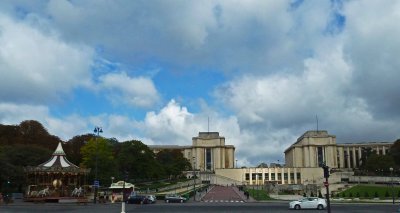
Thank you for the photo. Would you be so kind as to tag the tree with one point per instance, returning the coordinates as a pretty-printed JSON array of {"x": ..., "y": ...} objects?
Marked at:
[
  {"x": 395, "y": 152},
  {"x": 174, "y": 162},
  {"x": 106, "y": 164},
  {"x": 73, "y": 147},
  {"x": 377, "y": 162},
  {"x": 365, "y": 153},
  {"x": 138, "y": 160}
]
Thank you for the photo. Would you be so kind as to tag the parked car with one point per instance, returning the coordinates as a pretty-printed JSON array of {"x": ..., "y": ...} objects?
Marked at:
[
  {"x": 308, "y": 203},
  {"x": 151, "y": 198},
  {"x": 138, "y": 199},
  {"x": 174, "y": 198}
]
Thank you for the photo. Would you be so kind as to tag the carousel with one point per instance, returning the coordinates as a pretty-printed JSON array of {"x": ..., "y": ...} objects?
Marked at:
[{"x": 57, "y": 180}]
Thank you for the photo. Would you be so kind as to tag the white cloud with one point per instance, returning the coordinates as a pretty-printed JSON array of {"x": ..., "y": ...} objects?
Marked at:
[
  {"x": 123, "y": 89},
  {"x": 37, "y": 67}
]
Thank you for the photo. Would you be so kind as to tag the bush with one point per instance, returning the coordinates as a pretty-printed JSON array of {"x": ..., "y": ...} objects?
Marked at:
[
  {"x": 398, "y": 194},
  {"x": 376, "y": 194},
  {"x": 344, "y": 194},
  {"x": 358, "y": 194},
  {"x": 350, "y": 194},
  {"x": 366, "y": 194},
  {"x": 312, "y": 194},
  {"x": 319, "y": 194}
]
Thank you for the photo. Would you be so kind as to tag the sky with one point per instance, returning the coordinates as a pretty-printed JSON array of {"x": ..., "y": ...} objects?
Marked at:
[{"x": 261, "y": 73}]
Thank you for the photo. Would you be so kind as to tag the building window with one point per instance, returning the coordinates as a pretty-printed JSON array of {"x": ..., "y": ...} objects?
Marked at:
[
  {"x": 273, "y": 176},
  {"x": 247, "y": 176},
  {"x": 338, "y": 158},
  {"x": 346, "y": 165},
  {"x": 320, "y": 155},
  {"x": 279, "y": 176},
  {"x": 285, "y": 176},
  {"x": 208, "y": 159},
  {"x": 292, "y": 176}
]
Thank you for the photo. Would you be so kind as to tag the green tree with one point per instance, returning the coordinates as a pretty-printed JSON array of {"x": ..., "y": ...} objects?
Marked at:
[
  {"x": 174, "y": 162},
  {"x": 366, "y": 194},
  {"x": 137, "y": 160},
  {"x": 395, "y": 152},
  {"x": 377, "y": 162},
  {"x": 101, "y": 149}
]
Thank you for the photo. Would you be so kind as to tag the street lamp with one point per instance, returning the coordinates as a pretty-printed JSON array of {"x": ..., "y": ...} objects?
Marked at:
[
  {"x": 236, "y": 164},
  {"x": 97, "y": 130},
  {"x": 391, "y": 182},
  {"x": 194, "y": 179}
]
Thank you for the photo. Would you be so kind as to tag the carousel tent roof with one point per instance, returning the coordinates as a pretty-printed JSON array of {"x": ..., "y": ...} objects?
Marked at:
[{"x": 58, "y": 159}]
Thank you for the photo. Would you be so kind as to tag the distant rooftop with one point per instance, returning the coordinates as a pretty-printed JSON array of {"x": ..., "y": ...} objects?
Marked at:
[{"x": 208, "y": 135}]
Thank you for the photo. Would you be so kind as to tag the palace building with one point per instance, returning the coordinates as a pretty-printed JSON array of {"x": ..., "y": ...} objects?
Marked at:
[
  {"x": 316, "y": 147},
  {"x": 210, "y": 155}
]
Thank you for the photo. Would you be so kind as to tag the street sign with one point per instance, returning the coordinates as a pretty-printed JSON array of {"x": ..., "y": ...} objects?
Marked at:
[
  {"x": 326, "y": 184},
  {"x": 96, "y": 183}
]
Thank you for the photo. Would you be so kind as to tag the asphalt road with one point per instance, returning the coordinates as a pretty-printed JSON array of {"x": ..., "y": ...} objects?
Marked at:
[{"x": 190, "y": 207}]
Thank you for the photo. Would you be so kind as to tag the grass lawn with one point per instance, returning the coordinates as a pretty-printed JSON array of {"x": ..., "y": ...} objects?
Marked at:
[
  {"x": 370, "y": 191},
  {"x": 259, "y": 194}
]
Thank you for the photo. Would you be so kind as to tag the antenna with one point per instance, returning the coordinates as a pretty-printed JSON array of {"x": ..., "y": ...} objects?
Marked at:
[
  {"x": 316, "y": 118},
  {"x": 208, "y": 124}
]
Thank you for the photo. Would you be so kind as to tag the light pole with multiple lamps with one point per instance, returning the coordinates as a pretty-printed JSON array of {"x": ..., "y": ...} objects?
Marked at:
[{"x": 97, "y": 130}]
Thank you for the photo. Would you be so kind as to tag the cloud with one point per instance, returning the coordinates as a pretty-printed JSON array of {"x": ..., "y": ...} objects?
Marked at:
[
  {"x": 36, "y": 67},
  {"x": 372, "y": 43},
  {"x": 122, "y": 89}
]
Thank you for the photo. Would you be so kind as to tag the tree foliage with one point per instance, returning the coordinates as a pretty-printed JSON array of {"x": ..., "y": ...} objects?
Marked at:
[
  {"x": 395, "y": 152},
  {"x": 174, "y": 162},
  {"x": 98, "y": 153}
]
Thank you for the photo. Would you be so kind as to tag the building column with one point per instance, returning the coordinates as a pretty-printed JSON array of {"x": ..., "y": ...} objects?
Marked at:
[
  {"x": 288, "y": 172},
  {"x": 341, "y": 158},
  {"x": 306, "y": 156},
  {"x": 354, "y": 158},
  {"x": 383, "y": 150},
  {"x": 269, "y": 174},
  {"x": 348, "y": 157},
  {"x": 251, "y": 176},
  {"x": 295, "y": 175}
]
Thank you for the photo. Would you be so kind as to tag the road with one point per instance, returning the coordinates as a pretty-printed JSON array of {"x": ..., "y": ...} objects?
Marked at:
[{"x": 190, "y": 207}]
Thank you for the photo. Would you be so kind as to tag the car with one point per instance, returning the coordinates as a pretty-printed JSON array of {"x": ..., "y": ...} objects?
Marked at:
[
  {"x": 138, "y": 199},
  {"x": 174, "y": 198},
  {"x": 151, "y": 198},
  {"x": 308, "y": 203}
]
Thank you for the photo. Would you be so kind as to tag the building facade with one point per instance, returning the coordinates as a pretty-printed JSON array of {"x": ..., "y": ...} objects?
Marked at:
[
  {"x": 316, "y": 147},
  {"x": 207, "y": 153}
]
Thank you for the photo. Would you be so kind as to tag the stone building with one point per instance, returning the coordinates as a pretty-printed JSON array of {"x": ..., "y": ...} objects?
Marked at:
[
  {"x": 207, "y": 153},
  {"x": 316, "y": 147}
]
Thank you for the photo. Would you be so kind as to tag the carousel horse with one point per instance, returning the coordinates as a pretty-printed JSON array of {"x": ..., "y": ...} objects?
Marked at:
[
  {"x": 77, "y": 192},
  {"x": 44, "y": 192}
]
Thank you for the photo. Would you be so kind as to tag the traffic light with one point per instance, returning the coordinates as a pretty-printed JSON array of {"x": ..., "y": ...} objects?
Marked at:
[{"x": 326, "y": 171}]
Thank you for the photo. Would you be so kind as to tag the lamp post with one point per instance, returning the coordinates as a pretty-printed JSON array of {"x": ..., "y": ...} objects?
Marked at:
[
  {"x": 123, "y": 193},
  {"x": 391, "y": 182},
  {"x": 236, "y": 164},
  {"x": 194, "y": 179},
  {"x": 97, "y": 130}
]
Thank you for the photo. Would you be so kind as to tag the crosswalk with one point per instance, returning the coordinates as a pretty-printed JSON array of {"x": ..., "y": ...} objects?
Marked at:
[{"x": 223, "y": 201}]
